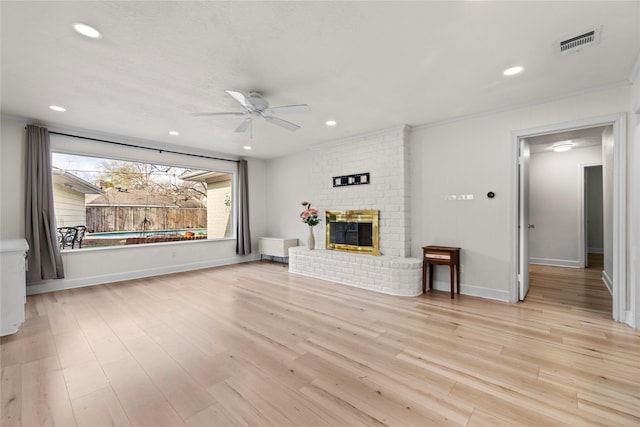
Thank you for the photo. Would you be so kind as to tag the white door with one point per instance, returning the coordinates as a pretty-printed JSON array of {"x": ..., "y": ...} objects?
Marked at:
[{"x": 523, "y": 219}]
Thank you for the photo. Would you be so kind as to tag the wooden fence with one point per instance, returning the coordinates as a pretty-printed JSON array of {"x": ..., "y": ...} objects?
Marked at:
[{"x": 129, "y": 218}]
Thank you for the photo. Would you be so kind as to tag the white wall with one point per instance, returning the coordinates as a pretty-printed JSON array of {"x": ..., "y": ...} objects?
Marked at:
[
  {"x": 289, "y": 183},
  {"x": 12, "y": 182},
  {"x": 466, "y": 157},
  {"x": 634, "y": 199},
  {"x": 475, "y": 156},
  {"x": 102, "y": 265},
  {"x": 555, "y": 199},
  {"x": 472, "y": 156},
  {"x": 478, "y": 154}
]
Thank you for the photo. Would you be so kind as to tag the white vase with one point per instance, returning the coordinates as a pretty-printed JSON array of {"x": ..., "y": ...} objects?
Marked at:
[{"x": 312, "y": 239}]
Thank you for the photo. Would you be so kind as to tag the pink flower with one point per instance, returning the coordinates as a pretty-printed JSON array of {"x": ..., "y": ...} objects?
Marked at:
[{"x": 310, "y": 215}]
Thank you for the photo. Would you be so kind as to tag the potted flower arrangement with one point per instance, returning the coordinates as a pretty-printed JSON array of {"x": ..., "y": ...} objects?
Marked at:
[{"x": 310, "y": 217}]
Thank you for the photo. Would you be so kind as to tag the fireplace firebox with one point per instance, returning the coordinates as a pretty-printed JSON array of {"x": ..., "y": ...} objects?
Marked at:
[{"x": 353, "y": 231}]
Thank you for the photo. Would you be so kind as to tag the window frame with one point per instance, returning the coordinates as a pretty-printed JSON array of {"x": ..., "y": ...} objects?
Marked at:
[{"x": 105, "y": 150}]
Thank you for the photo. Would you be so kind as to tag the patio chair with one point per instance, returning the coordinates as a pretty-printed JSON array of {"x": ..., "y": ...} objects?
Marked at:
[
  {"x": 79, "y": 235},
  {"x": 66, "y": 236}
]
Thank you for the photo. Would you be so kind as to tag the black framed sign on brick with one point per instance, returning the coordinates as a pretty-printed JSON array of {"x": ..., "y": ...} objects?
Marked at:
[{"x": 355, "y": 179}]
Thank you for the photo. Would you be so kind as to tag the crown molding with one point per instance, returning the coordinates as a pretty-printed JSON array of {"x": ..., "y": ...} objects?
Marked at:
[{"x": 519, "y": 106}]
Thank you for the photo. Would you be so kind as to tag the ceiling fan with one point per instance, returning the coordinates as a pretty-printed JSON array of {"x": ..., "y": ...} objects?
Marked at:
[{"x": 254, "y": 106}]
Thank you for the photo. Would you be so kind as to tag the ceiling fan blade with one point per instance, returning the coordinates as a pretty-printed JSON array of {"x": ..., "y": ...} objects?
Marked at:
[
  {"x": 301, "y": 108},
  {"x": 228, "y": 113},
  {"x": 282, "y": 123},
  {"x": 244, "y": 125},
  {"x": 238, "y": 96}
]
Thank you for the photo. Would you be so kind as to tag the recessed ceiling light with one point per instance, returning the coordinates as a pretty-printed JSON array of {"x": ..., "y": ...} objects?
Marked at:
[
  {"x": 87, "y": 30},
  {"x": 512, "y": 71},
  {"x": 246, "y": 147},
  {"x": 174, "y": 133},
  {"x": 565, "y": 146},
  {"x": 57, "y": 108},
  {"x": 330, "y": 123}
]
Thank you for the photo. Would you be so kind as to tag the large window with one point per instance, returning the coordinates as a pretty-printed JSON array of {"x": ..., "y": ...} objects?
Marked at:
[{"x": 108, "y": 202}]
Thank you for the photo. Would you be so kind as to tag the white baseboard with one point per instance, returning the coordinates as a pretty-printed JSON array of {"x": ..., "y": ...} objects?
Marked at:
[
  {"x": 10, "y": 331},
  {"x": 556, "y": 262},
  {"x": 473, "y": 291},
  {"x": 596, "y": 250},
  {"x": 629, "y": 319},
  {"x": 62, "y": 284},
  {"x": 607, "y": 281}
]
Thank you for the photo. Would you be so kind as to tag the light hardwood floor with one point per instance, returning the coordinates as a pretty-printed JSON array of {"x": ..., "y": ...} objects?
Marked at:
[{"x": 254, "y": 345}]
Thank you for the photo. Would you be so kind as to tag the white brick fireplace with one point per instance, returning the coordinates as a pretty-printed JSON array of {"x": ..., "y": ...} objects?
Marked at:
[{"x": 385, "y": 155}]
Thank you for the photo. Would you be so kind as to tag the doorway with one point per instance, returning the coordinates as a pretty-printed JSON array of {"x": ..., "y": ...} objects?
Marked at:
[
  {"x": 593, "y": 216},
  {"x": 613, "y": 154}
]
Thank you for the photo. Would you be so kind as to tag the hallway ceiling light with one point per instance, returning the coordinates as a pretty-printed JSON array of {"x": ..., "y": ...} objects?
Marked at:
[
  {"x": 86, "y": 30},
  {"x": 57, "y": 108},
  {"x": 564, "y": 146},
  {"x": 512, "y": 71},
  {"x": 330, "y": 122}
]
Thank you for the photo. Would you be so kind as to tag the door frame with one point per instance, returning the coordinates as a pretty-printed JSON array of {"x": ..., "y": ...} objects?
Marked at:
[
  {"x": 524, "y": 158},
  {"x": 619, "y": 123}
]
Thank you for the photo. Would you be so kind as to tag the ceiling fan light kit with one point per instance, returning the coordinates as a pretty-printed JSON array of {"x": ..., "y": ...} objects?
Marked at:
[{"x": 255, "y": 105}]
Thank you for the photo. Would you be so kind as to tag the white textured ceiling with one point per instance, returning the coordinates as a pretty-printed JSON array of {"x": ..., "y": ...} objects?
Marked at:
[{"x": 368, "y": 65}]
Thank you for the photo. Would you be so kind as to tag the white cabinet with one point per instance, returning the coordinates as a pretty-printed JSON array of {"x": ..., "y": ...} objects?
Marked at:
[
  {"x": 13, "y": 286},
  {"x": 275, "y": 246}
]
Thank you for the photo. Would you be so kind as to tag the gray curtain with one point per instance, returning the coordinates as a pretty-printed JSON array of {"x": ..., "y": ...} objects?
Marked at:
[
  {"x": 243, "y": 235},
  {"x": 44, "y": 259}
]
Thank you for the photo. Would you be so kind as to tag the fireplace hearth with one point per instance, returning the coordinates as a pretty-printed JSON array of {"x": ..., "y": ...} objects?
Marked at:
[{"x": 353, "y": 231}]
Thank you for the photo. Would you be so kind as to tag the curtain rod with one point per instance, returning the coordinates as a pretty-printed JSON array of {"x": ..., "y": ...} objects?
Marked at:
[{"x": 143, "y": 147}]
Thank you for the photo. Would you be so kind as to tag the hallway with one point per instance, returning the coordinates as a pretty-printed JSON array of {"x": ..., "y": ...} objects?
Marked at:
[{"x": 571, "y": 288}]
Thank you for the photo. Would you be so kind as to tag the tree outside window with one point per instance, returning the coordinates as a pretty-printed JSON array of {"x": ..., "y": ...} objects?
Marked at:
[{"x": 123, "y": 202}]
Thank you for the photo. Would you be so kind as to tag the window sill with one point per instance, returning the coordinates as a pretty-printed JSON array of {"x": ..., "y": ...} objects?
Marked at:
[{"x": 142, "y": 245}]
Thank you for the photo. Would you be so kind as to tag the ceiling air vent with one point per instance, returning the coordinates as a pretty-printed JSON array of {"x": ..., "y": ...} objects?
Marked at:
[{"x": 579, "y": 42}]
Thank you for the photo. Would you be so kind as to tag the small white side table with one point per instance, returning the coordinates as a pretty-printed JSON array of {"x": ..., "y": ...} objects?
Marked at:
[{"x": 276, "y": 247}]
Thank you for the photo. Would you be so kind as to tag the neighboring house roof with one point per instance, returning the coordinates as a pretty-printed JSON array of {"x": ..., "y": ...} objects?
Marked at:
[
  {"x": 74, "y": 183},
  {"x": 135, "y": 197},
  {"x": 206, "y": 176}
]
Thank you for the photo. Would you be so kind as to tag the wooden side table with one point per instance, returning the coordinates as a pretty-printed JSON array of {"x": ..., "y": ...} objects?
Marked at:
[{"x": 441, "y": 255}]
